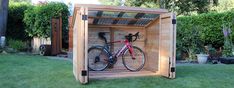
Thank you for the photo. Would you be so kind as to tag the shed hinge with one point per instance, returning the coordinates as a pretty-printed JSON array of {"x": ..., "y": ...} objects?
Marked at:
[
  {"x": 172, "y": 69},
  {"x": 84, "y": 17},
  {"x": 84, "y": 73},
  {"x": 173, "y": 21}
]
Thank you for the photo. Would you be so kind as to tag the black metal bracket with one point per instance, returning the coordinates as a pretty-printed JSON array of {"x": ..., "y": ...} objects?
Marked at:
[
  {"x": 173, "y": 21},
  {"x": 84, "y": 17},
  {"x": 172, "y": 69},
  {"x": 84, "y": 73}
]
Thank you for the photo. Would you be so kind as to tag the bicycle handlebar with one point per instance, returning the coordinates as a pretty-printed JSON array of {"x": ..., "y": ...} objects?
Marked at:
[{"x": 129, "y": 37}]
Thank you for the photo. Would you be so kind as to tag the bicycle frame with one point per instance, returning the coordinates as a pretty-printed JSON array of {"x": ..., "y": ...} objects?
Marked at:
[{"x": 122, "y": 51}]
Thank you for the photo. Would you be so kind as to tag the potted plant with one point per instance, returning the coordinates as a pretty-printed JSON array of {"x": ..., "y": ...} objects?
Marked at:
[
  {"x": 200, "y": 48},
  {"x": 202, "y": 56},
  {"x": 228, "y": 49}
]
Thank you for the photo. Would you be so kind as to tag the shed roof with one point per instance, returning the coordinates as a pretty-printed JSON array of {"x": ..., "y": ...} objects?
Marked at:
[{"x": 120, "y": 15}]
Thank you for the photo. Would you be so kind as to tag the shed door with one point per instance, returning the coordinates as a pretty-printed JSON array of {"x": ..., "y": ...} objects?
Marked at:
[
  {"x": 80, "y": 45},
  {"x": 167, "y": 45}
]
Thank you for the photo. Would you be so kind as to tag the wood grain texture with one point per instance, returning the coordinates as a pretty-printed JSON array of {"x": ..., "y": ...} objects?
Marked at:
[
  {"x": 167, "y": 45},
  {"x": 152, "y": 46},
  {"x": 157, "y": 40},
  {"x": 70, "y": 35},
  {"x": 122, "y": 8},
  {"x": 119, "y": 73},
  {"x": 80, "y": 46}
]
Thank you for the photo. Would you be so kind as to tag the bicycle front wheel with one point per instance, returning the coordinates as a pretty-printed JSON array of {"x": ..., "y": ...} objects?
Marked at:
[
  {"x": 98, "y": 58},
  {"x": 134, "y": 64}
]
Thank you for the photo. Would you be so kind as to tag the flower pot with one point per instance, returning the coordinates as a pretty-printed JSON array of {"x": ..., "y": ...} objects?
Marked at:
[{"x": 202, "y": 58}]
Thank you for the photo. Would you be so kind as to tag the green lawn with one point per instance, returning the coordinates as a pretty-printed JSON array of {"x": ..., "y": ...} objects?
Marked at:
[{"x": 22, "y": 71}]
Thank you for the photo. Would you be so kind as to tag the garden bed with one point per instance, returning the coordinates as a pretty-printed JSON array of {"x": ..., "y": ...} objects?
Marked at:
[{"x": 227, "y": 60}]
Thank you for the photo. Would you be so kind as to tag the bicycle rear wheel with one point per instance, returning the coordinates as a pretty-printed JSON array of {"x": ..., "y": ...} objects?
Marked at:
[
  {"x": 134, "y": 64},
  {"x": 98, "y": 58}
]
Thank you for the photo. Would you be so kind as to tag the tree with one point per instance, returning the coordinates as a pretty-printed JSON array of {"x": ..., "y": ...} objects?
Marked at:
[
  {"x": 3, "y": 16},
  {"x": 112, "y": 2},
  {"x": 182, "y": 7},
  {"x": 20, "y": 1},
  {"x": 223, "y": 5}
]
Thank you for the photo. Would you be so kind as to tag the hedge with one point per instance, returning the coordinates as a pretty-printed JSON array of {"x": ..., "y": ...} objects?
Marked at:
[
  {"x": 209, "y": 26},
  {"x": 15, "y": 24},
  {"x": 38, "y": 19}
]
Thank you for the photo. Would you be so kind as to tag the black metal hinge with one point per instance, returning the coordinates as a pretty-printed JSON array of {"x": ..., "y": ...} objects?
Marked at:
[
  {"x": 84, "y": 73},
  {"x": 84, "y": 17},
  {"x": 172, "y": 69},
  {"x": 173, "y": 21}
]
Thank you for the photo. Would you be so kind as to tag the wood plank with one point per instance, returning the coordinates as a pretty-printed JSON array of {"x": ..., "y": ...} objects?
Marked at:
[
  {"x": 105, "y": 17},
  {"x": 173, "y": 62},
  {"x": 85, "y": 63},
  {"x": 75, "y": 44},
  {"x": 80, "y": 46},
  {"x": 167, "y": 45},
  {"x": 112, "y": 38},
  {"x": 60, "y": 35},
  {"x": 93, "y": 38},
  {"x": 119, "y": 74},
  {"x": 152, "y": 46},
  {"x": 70, "y": 34},
  {"x": 122, "y": 8},
  {"x": 116, "y": 26}
]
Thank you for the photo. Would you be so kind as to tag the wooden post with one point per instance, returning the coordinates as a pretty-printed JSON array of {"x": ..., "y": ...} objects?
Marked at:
[
  {"x": 112, "y": 38},
  {"x": 60, "y": 34},
  {"x": 70, "y": 34}
]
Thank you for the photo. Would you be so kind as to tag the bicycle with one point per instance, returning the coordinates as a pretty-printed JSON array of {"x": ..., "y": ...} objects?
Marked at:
[{"x": 100, "y": 57}]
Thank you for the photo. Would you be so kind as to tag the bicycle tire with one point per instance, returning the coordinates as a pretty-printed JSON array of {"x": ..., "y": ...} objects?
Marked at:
[
  {"x": 103, "y": 59},
  {"x": 126, "y": 57}
]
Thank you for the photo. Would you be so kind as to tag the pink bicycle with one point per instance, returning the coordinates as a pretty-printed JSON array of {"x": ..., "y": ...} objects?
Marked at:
[{"x": 100, "y": 57}]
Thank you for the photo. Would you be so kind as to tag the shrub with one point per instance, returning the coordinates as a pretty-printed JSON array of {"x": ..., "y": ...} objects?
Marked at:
[
  {"x": 210, "y": 29},
  {"x": 15, "y": 25},
  {"x": 38, "y": 19},
  {"x": 17, "y": 44}
]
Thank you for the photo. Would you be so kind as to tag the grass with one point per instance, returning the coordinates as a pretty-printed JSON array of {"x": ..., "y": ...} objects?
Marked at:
[{"x": 24, "y": 71}]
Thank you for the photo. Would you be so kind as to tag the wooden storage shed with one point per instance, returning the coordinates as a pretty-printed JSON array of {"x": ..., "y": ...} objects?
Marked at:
[{"x": 157, "y": 29}]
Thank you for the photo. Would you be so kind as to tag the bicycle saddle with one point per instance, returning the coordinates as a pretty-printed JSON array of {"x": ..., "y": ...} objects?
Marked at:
[{"x": 101, "y": 35}]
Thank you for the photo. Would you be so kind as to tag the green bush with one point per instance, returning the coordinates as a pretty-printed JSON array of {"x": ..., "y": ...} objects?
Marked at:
[
  {"x": 210, "y": 28},
  {"x": 15, "y": 24},
  {"x": 17, "y": 44},
  {"x": 38, "y": 19}
]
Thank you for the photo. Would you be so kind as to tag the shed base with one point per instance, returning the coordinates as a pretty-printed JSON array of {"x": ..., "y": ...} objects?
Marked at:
[{"x": 119, "y": 73}]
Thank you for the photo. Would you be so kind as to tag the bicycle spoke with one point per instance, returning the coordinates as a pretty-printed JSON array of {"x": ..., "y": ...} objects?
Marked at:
[{"x": 97, "y": 59}]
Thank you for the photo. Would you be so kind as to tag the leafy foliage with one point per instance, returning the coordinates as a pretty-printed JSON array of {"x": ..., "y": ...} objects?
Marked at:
[
  {"x": 38, "y": 18},
  {"x": 182, "y": 7},
  {"x": 228, "y": 45},
  {"x": 223, "y": 5},
  {"x": 20, "y": 1},
  {"x": 190, "y": 41},
  {"x": 111, "y": 2},
  {"x": 210, "y": 29},
  {"x": 15, "y": 25},
  {"x": 17, "y": 44}
]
